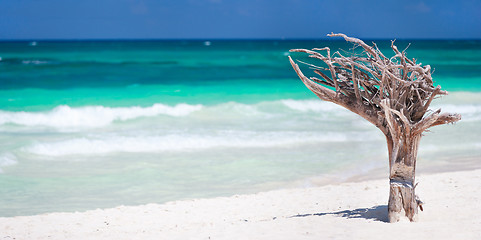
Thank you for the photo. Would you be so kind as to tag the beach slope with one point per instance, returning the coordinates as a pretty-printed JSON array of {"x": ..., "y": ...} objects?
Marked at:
[{"x": 356, "y": 210}]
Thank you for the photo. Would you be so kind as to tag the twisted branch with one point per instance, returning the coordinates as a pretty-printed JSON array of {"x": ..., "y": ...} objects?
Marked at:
[{"x": 392, "y": 93}]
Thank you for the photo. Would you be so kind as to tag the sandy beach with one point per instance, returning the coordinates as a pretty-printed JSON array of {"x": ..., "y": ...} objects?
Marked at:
[{"x": 354, "y": 210}]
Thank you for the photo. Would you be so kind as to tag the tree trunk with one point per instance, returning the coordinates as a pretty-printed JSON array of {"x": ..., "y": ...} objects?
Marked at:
[{"x": 403, "y": 201}]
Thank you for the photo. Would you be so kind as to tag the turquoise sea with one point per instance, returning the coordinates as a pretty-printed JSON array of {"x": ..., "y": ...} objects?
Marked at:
[{"x": 97, "y": 124}]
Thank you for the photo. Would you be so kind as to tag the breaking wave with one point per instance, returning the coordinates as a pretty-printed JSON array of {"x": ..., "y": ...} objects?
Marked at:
[
  {"x": 313, "y": 105},
  {"x": 64, "y": 116},
  {"x": 92, "y": 116},
  {"x": 185, "y": 142},
  {"x": 7, "y": 159}
]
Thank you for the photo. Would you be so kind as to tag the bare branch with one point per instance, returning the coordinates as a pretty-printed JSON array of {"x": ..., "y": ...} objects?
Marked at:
[
  {"x": 355, "y": 82},
  {"x": 446, "y": 118},
  {"x": 322, "y": 92},
  {"x": 372, "y": 85},
  {"x": 369, "y": 49}
]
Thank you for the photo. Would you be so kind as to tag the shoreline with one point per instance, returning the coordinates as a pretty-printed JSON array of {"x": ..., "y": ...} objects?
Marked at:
[
  {"x": 351, "y": 210},
  {"x": 380, "y": 173}
]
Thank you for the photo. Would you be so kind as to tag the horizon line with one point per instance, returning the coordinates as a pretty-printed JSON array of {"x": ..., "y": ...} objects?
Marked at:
[{"x": 226, "y": 39}]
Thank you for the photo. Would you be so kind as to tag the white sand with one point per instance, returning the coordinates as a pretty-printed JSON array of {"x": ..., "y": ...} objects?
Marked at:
[{"x": 452, "y": 210}]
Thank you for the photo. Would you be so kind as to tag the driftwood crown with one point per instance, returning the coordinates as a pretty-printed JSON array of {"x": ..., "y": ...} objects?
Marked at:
[{"x": 392, "y": 93}]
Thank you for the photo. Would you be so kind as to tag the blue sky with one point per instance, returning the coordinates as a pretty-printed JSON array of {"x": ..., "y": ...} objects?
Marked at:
[{"x": 214, "y": 19}]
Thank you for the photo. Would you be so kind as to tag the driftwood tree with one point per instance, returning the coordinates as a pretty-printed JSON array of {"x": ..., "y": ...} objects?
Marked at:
[{"x": 392, "y": 93}]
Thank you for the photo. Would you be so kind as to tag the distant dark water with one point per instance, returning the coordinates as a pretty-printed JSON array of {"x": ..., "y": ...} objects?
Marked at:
[{"x": 59, "y": 65}]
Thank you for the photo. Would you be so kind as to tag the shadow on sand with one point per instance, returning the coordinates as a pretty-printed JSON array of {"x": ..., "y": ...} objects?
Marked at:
[{"x": 377, "y": 213}]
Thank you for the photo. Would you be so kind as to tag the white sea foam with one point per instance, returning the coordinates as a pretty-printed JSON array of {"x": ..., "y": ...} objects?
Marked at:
[
  {"x": 98, "y": 116},
  {"x": 34, "y": 62},
  {"x": 63, "y": 117},
  {"x": 184, "y": 142},
  {"x": 231, "y": 110},
  {"x": 92, "y": 116},
  {"x": 469, "y": 112},
  {"x": 7, "y": 159},
  {"x": 311, "y": 105},
  {"x": 462, "y": 109}
]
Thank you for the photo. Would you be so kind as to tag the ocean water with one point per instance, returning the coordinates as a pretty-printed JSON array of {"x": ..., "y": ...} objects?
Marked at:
[{"x": 97, "y": 124}]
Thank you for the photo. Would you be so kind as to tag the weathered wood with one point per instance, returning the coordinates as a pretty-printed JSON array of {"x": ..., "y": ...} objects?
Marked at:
[
  {"x": 402, "y": 202},
  {"x": 394, "y": 94}
]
